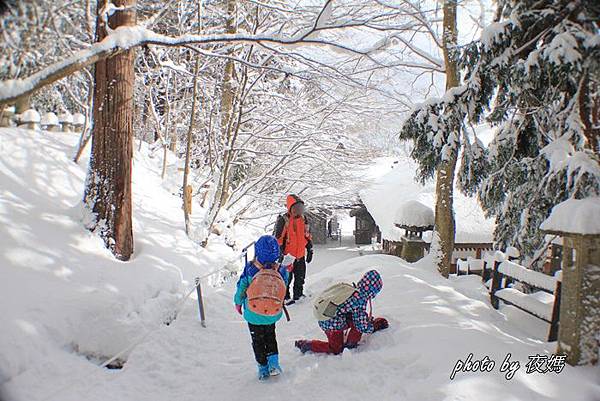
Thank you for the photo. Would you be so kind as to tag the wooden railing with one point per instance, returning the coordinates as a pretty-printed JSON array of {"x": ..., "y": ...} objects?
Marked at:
[{"x": 506, "y": 273}]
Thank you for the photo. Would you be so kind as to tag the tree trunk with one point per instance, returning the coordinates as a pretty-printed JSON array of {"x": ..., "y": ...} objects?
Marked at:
[
  {"x": 108, "y": 186},
  {"x": 444, "y": 210},
  {"x": 86, "y": 131},
  {"x": 170, "y": 139},
  {"x": 188, "y": 148},
  {"x": 221, "y": 193},
  {"x": 168, "y": 132},
  {"x": 589, "y": 110},
  {"x": 22, "y": 104},
  {"x": 186, "y": 193},
  {"x": 227, "y": 106}
]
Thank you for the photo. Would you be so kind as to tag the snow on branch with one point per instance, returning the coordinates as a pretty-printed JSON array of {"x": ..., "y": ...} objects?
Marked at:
[
  {"x": 127, "y": 37},
  {"x": 108, "y": 10},
  {"x": 324, "y": 15}
]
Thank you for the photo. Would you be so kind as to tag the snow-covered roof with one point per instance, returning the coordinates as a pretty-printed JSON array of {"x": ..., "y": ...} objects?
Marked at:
[
  {"x": 78, "y": 119},
  {"x": 414, "y": 213},
  {"x": 576, "y": 216},
  {"x": 66, "y": 118},
  {"x": 391, "y": 182},
  {"x": 30, "y": 116},
  {"x": 49, "y": 119}
]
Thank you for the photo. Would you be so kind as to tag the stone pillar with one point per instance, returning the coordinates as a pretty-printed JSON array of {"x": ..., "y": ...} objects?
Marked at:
[
  {"x": 412, "y": 249},
  {"x": 6, "y": 116},
  {"x": 395, "y": 248},
  {"x": 579, "y": 331}
]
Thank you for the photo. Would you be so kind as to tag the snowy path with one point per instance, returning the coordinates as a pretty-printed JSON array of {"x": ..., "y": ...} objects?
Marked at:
[
  {"x": 188, "y": 362},
  {"x": 433, "y": 323},
  {"x": 335, "y": 252}
]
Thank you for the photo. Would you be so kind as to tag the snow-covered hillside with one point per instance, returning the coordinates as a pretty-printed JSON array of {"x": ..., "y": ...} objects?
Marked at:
[{"x": 63, "y": 294}]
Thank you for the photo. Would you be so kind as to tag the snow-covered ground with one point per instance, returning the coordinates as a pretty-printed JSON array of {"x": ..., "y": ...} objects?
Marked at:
[
  {"x": 337, "y": 251},
  {"x": 67, "y": 305}
]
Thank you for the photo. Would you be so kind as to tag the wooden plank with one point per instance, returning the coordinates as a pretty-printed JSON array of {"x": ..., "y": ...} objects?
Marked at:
[
  {"x": 553, "y": 332},
  {"x": 496, "y": 283}
]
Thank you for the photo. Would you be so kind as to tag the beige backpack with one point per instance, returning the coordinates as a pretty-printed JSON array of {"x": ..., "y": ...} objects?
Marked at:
[
  {"x": 326, "y": 304},
  {"x": 266, "y": 292}
]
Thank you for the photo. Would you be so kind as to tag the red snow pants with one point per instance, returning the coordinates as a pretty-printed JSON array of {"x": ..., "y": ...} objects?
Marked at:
[{"x": 335, "y": 341}]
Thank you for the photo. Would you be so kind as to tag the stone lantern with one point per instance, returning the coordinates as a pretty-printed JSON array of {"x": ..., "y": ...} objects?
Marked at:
[
  {"x": 66, "y": 122},
  {"x": 30, "y": 119},
  {"x": 415, "y": 218},
  {"x": 78, "y": 121},
  {"x": 578, "y": 223},
  {"x": 50, "y": 122}
]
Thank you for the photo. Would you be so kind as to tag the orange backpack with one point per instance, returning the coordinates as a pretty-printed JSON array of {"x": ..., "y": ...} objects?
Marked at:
[{"x": 266, "y": 292}]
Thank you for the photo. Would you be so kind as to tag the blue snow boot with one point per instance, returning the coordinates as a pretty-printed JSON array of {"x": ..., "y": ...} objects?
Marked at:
[
  {"x": 273, "y": 363},
  {"x": 263, "y": 372}
]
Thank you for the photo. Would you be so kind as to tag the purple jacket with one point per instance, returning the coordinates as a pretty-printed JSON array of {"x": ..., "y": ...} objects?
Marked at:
[{"x": 355, "y": 308}]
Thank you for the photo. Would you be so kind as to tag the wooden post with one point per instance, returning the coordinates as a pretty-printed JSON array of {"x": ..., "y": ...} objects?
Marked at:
[
  {"x": 554, "y": 321},
  {"x": 200, "y": 302},
  {"x": 188, "y": 199},
  {"x": 496, "y": 283},
  {"x": 485, "y": 274}
]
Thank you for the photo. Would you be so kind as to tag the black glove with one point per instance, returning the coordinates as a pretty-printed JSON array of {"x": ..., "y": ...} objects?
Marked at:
[
  {"x": 309, "y": 252},
  {"x": 309, "y": 255},
  {"x": 380, "y": 323}
]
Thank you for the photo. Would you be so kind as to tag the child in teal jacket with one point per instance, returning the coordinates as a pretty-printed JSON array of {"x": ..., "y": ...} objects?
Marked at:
[{"x": 262, "y": 328}]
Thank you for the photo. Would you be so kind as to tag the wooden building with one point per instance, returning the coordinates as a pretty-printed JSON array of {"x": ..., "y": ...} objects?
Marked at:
[{"x": 364, "y": 228}]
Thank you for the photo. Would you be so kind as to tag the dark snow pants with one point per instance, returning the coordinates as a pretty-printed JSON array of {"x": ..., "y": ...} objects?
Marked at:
[
  {"x": 298, "y": 274},
  {"x": 264, "y": 341}
]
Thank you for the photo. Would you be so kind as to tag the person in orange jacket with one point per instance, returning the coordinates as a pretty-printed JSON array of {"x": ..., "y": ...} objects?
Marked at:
[{"x": 293, "y": 235}]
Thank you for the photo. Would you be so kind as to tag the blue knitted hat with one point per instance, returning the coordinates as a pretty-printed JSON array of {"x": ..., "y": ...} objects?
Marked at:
[{"x": 266, "y": 249}]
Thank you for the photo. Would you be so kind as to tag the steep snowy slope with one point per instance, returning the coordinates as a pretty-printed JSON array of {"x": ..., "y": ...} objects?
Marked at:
[{"x": 63, "y": 295}]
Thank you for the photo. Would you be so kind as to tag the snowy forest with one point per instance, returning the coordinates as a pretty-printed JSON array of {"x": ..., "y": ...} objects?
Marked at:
[{"x": 374, "y": 199}]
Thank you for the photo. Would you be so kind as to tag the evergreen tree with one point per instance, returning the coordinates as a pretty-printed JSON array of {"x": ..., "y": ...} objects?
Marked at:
[
  {"x": 108, "y": 185},
  {"x": 534, "y": 75}
]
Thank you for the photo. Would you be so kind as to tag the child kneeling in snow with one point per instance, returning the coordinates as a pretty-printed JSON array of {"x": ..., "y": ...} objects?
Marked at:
[
  {"x": 351, "y": 314},
  {"x": 262, "y": 326}
]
